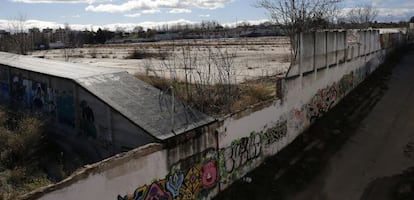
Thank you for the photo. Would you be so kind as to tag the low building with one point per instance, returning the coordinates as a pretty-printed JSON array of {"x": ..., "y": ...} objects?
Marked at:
[{"x": 98, "y": 110}]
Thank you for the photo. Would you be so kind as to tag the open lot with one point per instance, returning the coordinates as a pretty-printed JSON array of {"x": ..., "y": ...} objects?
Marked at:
[{"x": 241, "y": 58}]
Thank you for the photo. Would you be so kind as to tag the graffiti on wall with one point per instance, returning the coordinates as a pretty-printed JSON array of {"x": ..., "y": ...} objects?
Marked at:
[
  {"x": 65, "y": 107},
  {"x": 321, "y": 102},
  {"x": 242, "y": 152},
  {"x": 325, "y": 98},
  {"x": 30, "y": 94},
  {"x": 87, "y": 120},
  {"x": 37, "y": 96},
  {"x": 4, "y": 84},
  {"x": 20, "y": 91},
  {"x": 298, "y": 119},
  {"x": 193, "y": 183}
]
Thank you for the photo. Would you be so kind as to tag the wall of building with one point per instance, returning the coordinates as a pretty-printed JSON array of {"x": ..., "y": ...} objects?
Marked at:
[
  {"x": 200, "y": 164},
  {"x": 83, "y": 119}
]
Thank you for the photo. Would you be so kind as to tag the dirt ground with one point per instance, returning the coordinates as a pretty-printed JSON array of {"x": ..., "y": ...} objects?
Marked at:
[
  {"x": 362, "y": 149},
  {"x": 379, "y": 147},
  {"x": 250, "y": 57}
]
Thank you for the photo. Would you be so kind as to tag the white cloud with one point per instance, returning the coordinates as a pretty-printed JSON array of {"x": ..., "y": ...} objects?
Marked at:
[
  {"x": 157, "y": 4},
  {"x": 208, "y": 15},
  {"x": 180, "y": 10},
  {"x": 394, "y": 14},
  {"x": 387, "y": 14},
  {"x": 133, "y": 15},
  {"x": 62, "y": 1},
  {"x": 251, "y": 22},
  {"x": 5, "y": 25},
  {"x": 72, "y": 16},
  {"x": 151, "y": 11}
]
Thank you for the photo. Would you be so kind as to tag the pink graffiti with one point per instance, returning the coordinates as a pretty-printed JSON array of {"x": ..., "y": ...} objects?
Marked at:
[{"x": 209, "y": 174}]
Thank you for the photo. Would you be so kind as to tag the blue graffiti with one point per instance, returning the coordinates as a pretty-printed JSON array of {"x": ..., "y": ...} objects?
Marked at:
[{"x": 174, "y": 183}]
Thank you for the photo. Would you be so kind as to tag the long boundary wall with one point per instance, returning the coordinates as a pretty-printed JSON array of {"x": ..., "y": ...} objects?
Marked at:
[{"x": 201, "y": 164}]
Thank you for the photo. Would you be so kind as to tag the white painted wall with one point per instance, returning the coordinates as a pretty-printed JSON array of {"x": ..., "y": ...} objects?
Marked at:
[{"x": 123, "y": 179}]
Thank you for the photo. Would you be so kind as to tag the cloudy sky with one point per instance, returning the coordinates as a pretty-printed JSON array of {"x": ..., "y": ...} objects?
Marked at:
[{"x": 81, "y": 14}]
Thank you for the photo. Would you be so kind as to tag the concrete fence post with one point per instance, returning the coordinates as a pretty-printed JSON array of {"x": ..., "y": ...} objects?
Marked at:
[
  {"x": 336, "y": 48},
  {"x": 300, "y": 53}
]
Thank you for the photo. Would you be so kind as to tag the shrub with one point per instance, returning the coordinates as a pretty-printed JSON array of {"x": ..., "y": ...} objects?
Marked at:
[
  {"x": 142, "y": 54},
  {"x": 19, "y": 145},
  {"x": 17, "y": 176}
]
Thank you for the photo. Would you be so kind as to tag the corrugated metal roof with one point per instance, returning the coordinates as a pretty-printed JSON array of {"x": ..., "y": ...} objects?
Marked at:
[{"x": 143, "y": 104}]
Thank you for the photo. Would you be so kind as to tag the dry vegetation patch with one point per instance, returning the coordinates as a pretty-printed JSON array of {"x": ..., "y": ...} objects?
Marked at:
[
  {"x": 216, "y": 99},
  {"x": 28, "y": 157}
]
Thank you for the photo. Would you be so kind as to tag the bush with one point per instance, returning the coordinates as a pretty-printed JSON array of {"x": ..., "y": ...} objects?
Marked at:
[
  {"x": 142, "y": 54},
  {"x": 18, "y": 145},
  {"x": 17, "y": 176}
]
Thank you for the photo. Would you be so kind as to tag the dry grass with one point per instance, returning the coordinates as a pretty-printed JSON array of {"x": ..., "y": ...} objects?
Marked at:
[
  {"x": 217, "y": 99},
  {"x": 21, "y": 141}
]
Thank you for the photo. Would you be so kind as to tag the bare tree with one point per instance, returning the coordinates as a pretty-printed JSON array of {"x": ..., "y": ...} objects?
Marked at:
[
  {"x": 19, "y": 37},
  {"x": 67, "y": 49},
  {"x": 298, "y": 16},
  {"x": 207, "y": 79},
  {"x": 362, "y": 15}
]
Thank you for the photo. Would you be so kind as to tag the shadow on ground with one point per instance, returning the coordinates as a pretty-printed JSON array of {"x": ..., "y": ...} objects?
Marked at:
[{"x": 292, "y": 169}]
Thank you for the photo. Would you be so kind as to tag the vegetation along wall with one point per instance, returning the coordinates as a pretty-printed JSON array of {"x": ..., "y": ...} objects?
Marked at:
[{"x": 201, "y": 164}]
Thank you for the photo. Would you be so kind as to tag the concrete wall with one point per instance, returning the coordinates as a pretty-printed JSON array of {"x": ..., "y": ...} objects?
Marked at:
[
  {"x": 83, "y": 119},
  {"x": 174, "y": 170},
  {"x": 200, "y": 164}
]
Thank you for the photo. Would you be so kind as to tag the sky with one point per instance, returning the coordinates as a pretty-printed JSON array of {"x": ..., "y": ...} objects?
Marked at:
[{"x": 110, "y": 14}]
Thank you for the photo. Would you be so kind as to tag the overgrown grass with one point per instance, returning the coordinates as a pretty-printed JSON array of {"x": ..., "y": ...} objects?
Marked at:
[
  {"x": 21, "y": 154},
  {"x": 217, "y": 99}
]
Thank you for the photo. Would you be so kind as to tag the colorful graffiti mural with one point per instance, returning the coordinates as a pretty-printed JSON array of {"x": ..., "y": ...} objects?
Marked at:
[
  {"x": 321, "y": 102},
  {"x": 242, "y": 152},
  {"x": 37, "y": 96},
  {"x": 30, "y": 94},
  {"x": 325, "y": 98},
  {"x": 196, "y": 183}
]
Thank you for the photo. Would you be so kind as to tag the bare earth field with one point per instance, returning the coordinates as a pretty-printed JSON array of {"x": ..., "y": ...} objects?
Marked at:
[{"x": 242, "y": 58}]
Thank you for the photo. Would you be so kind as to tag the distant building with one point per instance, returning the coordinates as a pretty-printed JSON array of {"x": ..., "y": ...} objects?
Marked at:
[
  {"x": 4, "y": 33},
  {"x": 56, "y": 45},
  {"x": 59, "y": 35}
]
